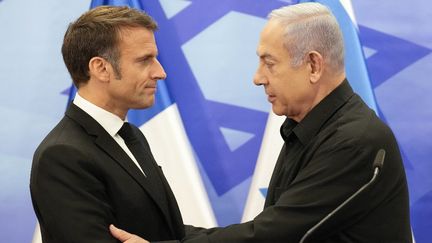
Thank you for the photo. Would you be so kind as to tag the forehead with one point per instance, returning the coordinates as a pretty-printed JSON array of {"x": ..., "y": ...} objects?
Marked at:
[
  {"x": 271, "y": 39},
  {"x": 136, "y": 40}
]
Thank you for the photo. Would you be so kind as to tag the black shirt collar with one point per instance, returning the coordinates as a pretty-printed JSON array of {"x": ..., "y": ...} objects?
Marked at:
[{"x": 307, "y": 128}]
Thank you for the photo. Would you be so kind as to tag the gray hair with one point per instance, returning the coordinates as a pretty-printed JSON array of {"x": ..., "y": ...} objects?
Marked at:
[{"x": 311, "y": 27}]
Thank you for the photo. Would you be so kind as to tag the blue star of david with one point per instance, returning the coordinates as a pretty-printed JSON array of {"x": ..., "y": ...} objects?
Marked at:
[
  {"x": 201, "y": 117},
  {"x": 389, "y": 49}
]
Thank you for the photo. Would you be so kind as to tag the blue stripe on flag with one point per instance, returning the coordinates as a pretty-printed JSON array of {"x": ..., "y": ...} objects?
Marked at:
[{"x": 130, "y": 3}]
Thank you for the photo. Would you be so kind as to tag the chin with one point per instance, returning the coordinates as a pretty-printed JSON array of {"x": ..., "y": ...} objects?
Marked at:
[
  {"x": 278, "y": 111},
  {"x": 148, "y": 105},
  {"x": 143, "y": 105}
]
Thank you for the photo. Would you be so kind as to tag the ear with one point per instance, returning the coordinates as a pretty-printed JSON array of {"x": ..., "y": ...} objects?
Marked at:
[
  {"x": 100, "y": 69},
  {"x": 316, "y": 63}
]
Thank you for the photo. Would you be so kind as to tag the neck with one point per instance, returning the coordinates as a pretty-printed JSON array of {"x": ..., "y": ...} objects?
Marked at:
[
  {"x": 322, "y": 89},
  {"x": 99, "y": 99}
]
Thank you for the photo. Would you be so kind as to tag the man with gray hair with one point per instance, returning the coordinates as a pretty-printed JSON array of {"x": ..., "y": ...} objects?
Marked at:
[{"x": 331, "y": 140}]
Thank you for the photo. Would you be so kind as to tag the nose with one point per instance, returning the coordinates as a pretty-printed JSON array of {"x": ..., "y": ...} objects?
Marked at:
[
  {"x": 259, "y": 78},
  {"x": 159, "y": 72}
]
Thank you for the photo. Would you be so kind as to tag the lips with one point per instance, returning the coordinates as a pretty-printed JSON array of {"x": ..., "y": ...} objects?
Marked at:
[
  {"x": 271, "y": 98},
  {"x": 151, "y": 85},
  {"x": 151, "y": 89}
]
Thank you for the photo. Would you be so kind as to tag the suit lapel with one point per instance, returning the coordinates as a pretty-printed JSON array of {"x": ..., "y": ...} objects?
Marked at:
[
  {"x": 104, "y": 141},
  {"x": 177, "y": 220}
]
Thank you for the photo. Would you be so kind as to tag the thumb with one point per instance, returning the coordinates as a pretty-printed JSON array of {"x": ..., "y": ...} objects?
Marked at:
[{"x": 120, "y": 234}]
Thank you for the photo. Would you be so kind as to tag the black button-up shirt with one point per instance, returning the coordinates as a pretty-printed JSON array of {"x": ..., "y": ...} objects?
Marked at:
[{"x": 326, "y": 158}]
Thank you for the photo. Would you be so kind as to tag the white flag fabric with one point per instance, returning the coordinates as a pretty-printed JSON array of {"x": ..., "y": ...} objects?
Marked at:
[
  {"x": 270, "y": 148},
  {"x": 172, "y": 151}
]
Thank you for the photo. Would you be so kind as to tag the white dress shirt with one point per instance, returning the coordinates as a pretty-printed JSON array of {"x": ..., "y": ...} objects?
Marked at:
[{"x": 109, "y": 121}]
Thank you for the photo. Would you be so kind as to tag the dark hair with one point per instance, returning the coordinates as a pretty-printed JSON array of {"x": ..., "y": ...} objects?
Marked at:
[{"x": 96, "y": 33}]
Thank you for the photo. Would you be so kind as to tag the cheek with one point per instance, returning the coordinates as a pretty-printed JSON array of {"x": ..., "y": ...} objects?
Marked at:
[
  {"x": 281, "y": 87},
  {"x": 140, "y": 85},
  {"x": 284, "y": 96},
  {"x": 139, "y": 82}
]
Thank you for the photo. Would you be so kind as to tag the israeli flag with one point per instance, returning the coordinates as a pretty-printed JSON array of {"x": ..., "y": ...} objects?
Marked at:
[{"x": 211, "y": 129}]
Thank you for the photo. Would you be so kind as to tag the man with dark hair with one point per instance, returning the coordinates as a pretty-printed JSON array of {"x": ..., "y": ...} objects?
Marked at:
[
  {"x": 331, "y": 139},
  {"x": 94, "y": 168}
]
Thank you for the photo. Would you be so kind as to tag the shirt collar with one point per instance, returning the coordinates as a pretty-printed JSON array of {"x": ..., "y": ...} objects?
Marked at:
[
  {"x": 109, "y": 121},
  {"x": 286, "y": 129},
  {"x": 311, "y": 124}
]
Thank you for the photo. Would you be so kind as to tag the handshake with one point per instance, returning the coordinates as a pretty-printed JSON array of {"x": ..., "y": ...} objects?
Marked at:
[{"x": 124, "y": 236}]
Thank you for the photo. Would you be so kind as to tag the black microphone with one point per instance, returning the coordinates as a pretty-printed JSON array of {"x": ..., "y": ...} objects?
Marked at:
[{"x": 377, "y": 166}]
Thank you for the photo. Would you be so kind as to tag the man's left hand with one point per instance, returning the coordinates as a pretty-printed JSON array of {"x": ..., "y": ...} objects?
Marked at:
[{"x": 125, "y": 236}]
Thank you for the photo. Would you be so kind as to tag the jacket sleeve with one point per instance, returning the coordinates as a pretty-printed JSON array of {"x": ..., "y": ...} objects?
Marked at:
[
  {"x": 324, "y": 182},
  {"x": 69, "y": 197}
]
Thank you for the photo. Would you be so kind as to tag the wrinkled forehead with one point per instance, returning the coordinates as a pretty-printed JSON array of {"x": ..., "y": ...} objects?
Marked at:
[
  {"x": 271, "y": 37},
  {"x": 272, "y": 30}
]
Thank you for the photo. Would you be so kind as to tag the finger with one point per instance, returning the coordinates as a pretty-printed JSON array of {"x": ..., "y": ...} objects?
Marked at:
[{"x": 120, "y": 234}]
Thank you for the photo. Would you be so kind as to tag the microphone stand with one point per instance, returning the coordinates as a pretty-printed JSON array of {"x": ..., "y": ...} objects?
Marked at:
[{"x": 378, "y": 163}]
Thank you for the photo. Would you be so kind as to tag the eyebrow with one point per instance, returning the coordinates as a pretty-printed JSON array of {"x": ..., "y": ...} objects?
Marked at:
[
  {"x": 144, "y": 57},
  {"x": 267, "y": 56}
]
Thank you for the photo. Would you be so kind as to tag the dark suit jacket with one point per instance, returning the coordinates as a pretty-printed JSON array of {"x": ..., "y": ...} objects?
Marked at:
[{"x": 82, "y": 181}]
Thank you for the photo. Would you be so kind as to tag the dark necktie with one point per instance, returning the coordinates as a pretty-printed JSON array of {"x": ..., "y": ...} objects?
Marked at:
[
  {"x": 146, "y": 161},
  {"x": 141, "y": 155}
]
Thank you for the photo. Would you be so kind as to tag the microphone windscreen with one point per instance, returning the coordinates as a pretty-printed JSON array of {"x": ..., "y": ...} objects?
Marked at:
[{"x": 379, "y": 159}]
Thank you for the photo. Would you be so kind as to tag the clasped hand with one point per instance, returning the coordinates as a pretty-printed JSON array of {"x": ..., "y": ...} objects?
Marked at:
[{"x": 125, "y": 236}]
